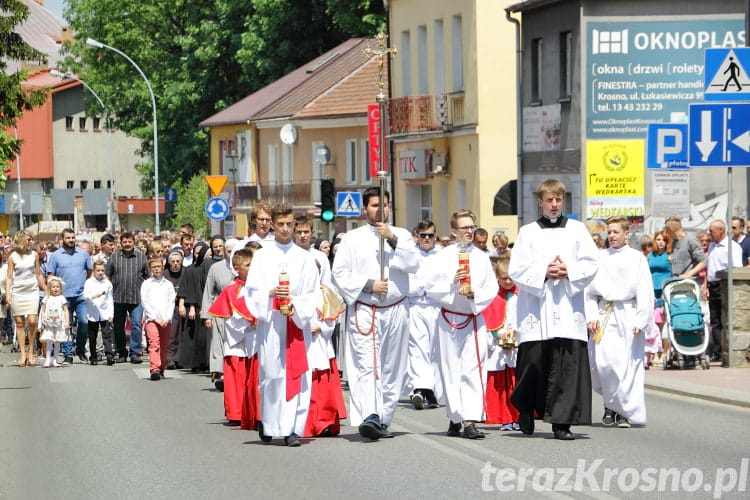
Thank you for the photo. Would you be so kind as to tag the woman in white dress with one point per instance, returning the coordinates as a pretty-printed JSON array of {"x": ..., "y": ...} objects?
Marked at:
[{"x": 22, "y": 284}]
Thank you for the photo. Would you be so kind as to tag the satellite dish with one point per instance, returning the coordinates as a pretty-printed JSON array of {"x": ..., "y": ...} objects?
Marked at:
[{"x": 288, "y": 134}]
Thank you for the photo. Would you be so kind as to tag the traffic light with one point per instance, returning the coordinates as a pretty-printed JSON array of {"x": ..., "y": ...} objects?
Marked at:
[{"x": 327, "y": 200}]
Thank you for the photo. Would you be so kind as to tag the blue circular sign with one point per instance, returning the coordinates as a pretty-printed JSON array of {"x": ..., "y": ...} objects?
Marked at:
[{"x": 217, "y": 208}]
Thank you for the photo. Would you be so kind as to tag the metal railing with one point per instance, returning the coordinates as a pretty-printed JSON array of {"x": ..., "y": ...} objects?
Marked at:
[{"x": 426, "y": 113}]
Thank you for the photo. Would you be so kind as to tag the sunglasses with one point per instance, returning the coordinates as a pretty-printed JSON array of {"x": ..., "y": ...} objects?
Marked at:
[{"x": 427, "y": 235}]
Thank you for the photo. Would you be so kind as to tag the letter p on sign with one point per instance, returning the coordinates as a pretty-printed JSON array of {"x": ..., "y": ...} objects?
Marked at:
[{"x": 667, "y": 146}]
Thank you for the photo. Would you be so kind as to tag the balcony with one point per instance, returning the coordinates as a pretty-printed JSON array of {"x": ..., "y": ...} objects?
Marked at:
[
  {"x": 426, "y": 113},
  {"x": 299, "y": 193}
]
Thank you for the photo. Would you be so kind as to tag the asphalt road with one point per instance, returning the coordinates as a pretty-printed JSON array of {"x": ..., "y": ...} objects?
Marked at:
[{"x": 85, "y": 432}]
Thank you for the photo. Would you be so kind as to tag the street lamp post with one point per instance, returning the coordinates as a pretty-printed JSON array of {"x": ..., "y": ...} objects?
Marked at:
[
  {"x": 18, "y": 179},
  {"x": 99, "y": 45},
  {"x": 110, "y": 208}
]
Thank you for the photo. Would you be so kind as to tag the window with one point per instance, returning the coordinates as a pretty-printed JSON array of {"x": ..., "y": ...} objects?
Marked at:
[
  {"x": 69, "y": 184},
  {"x": 97, "y": 184},
  {"x": 96, "y": 121},
  {"x": 536, "y": 70},
  {"x": 457, "y": 53},
  {"x": 424, "y": 84},
  {"x": 287, "y": 162},
  {"x": 366, "y": 178},
  {"x": 566, "y": 64},
  {"x": 273, "y": 168},
  {"x": 405, "y": 56},
  {"x": 109, "y": 184},
  {"x": 82, "y": 124},
  {"x": 84, "y": 185},
  {"x": 68, "y": 123},
  {"x": 425, "y": 210},
  {"x": 439, "y": 58},
  {"x": 351, "y": 161}
]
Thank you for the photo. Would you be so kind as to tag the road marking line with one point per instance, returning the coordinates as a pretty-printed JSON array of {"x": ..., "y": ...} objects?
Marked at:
[{"x": 497, "y": 458}]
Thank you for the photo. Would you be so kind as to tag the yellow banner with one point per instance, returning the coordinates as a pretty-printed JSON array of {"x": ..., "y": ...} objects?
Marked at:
[{"x": 615, "y": 168}]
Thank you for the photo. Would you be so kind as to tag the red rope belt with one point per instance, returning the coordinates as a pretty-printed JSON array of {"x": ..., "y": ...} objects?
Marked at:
[
  {"x": 469, "y": 318},
  {"x": 373, "y": 309}
]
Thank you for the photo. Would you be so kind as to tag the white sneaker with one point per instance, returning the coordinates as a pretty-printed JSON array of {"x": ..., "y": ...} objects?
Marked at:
[
  {"x": 56, "y": 364},
  {"x": 47, "y": 362}
]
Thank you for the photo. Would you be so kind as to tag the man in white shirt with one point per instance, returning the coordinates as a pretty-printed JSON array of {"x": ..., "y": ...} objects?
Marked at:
[{"x": 718, "y": 260}]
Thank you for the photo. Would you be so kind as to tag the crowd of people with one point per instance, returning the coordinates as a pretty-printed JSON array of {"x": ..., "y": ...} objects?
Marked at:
[{"x": 501, "y": 336}]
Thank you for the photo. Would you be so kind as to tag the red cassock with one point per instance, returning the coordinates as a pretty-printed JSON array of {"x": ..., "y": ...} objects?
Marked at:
[
  {"x": 500, "y": 386},
  {"x": 327, "y": 405},
  {"x": 241, "y": 391},
  {"x": 500, "y": 383}
]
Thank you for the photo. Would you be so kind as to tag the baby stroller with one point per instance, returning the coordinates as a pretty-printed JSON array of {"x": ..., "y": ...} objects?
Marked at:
[{"x": 685, "y": 324}]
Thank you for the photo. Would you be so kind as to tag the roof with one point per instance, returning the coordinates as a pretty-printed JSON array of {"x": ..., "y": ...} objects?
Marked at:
[
  {"x": 290, "y": 94},
  {"x": 525, "y": 5},
  {"x": 43, "y": 30},
  {"x": 43, "y": 80},
  {"x": 348, "y": 97}
]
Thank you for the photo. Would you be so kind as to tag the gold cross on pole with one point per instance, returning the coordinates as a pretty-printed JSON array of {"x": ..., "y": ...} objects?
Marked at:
[{"x": 381, "y": 52}]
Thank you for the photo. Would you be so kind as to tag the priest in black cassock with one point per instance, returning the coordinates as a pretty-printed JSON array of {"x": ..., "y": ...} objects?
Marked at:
[{"x": 553, "y": 260}]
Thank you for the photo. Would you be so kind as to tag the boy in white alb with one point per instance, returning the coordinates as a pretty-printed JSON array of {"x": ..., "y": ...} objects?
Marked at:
[
  {"x": 619, "y": 310},
  {"x": 157, "y": 298}
]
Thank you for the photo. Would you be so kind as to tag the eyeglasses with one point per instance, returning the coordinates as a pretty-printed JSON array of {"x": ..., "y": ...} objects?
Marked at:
[
  {"x": 427, "y": 235},
  {"x": 467, "y": 228},
  {"x": 264, "y": 219}
]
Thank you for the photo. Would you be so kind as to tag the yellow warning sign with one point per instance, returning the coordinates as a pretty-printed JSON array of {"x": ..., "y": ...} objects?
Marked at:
[{"x": 216, "y": 183}]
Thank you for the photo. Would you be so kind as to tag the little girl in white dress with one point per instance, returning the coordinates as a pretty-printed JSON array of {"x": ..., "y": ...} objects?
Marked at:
[{"x": 55, "y": 320}]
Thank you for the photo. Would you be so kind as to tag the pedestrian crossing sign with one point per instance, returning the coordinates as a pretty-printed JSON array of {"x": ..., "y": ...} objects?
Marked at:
[
  {"x": 726, "y": 76},
  {"x": 348, "y": 203}
]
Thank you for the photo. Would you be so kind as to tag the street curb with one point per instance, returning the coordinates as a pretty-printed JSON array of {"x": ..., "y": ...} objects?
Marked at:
[{"x": 727, "y": 400}]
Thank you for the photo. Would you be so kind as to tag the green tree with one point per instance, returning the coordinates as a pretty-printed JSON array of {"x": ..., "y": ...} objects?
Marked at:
[
  {"x": 14, "y": 99},
  {"x": 191, "y": 204},
  {"x": 200, "y": 56}
]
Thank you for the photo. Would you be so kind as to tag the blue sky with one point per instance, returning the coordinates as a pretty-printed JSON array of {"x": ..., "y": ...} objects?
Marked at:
[{"x": 55, "y": 6}]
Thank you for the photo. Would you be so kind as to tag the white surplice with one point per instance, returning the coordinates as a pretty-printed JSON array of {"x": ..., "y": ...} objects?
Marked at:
[
  {"x": 552, "y": 308},
  {"x": 279, "y": 416},
  {"x": 377, "y": 326},
  {"x": 621, "y": 297},
  {"x": 461, "y": 334},
  {"x": 422, "y": 367}
]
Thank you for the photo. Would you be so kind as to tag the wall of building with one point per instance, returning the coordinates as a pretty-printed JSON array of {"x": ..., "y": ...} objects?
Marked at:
[
  {"x": 84, "y": 155},
  {"x": 481, "y": 143},
  {"x": 568, "y": 161}
]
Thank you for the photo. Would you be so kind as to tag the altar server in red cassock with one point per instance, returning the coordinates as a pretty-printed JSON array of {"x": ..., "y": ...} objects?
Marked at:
[
  {"x": 327, "y": 405},
  {"x": 241, "y": 396},
  {"x": 500, "y": 318}
]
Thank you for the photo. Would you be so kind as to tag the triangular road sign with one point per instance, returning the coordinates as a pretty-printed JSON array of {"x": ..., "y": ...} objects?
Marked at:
[
  {"x": 730, "y": 77},
  {"x": 216, "y": 183}
]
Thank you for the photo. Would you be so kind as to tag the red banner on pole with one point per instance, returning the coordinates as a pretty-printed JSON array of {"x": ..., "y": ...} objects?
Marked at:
[{"x": 373, "y": 126}]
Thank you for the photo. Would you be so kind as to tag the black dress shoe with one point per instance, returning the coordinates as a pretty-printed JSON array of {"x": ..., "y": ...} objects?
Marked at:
[
  {"x": 155, "y": 375},
  {"x": 93, "y": 362},
  {"x": 292, "y": 440},
  {"x": 371, "y": 430},
  {"x": 219, "y": 385},
  {"x": 526, "y": 422},
  {"x": 110, "y": 359},
  {"x": 263, "y": 437},
  {"x": 562, "y": 432},
  {"x": 171, "y": 365},
  {"x": 122, "y": 358},
  {"x": 454, "y": 429},
  {"x": 135, "y": 359},
  {"x": 608, "y": 420},
  {"x": 471, "y": 432},
  {"x": 233, "y": 423},
  {"x": 68, "y": 360}
]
